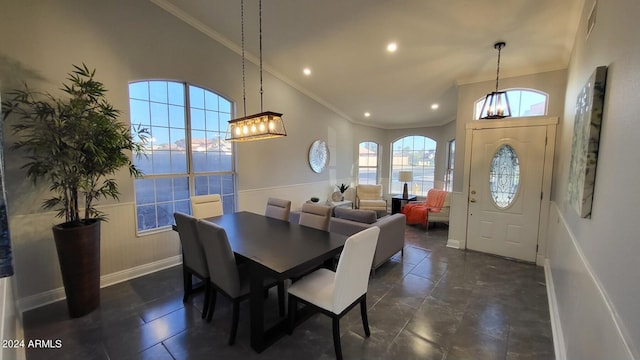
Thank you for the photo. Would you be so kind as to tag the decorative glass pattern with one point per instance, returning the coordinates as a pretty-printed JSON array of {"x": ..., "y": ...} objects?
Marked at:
[{"x": 504, "y": 176}]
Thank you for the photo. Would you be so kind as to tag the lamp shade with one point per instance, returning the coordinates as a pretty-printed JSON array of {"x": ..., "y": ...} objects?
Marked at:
[{"x": 405, "y": 176}]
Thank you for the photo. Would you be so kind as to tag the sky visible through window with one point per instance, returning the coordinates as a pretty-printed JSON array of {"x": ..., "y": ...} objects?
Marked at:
[
  {"x": 417, "y": 154},
  {"x": 180, "y": 163},
  {"x": 522, "y": 102}
]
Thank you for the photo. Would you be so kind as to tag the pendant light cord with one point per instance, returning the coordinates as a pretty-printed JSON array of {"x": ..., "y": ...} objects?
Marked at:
[
  {"x": 260, "y": 30},
  {"x": 244, "y": 88},
  {"x": 498, "y": 46}
]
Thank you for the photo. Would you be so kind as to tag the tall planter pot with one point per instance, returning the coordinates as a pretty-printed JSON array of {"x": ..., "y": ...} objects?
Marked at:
[{"x": 79, "y": 255}]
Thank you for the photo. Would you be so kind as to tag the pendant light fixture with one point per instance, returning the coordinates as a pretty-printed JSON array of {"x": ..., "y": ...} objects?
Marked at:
[
  {"x": 496, "y": 104},
  {"x": 264, "y": 125}
]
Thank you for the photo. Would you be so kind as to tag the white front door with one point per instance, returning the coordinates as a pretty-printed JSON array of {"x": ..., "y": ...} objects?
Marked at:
[{"x": 505, "y": 190}]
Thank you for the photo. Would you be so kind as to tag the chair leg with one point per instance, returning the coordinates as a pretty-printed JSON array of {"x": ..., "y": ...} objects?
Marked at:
[
  {"x": 207, "y": 298},
  {"x": 336, "y": 338},
  {"x": 186, "y": 278},
  {"x": 281, "y": 298},
  {"x": 212, "y": 303},
  {"x": 234, "y": 322},
  {"x": 292, "y": 314},
  {"x": 365, "y": 319}
]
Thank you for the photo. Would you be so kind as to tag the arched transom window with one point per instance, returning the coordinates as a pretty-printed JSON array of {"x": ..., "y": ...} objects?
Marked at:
[{"x": 523, "y": 102}]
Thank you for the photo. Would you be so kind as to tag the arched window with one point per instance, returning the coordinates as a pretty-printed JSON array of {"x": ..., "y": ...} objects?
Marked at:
[
  {"x": 368, "y": 163},
  {"x": 523, "y": 102},
  {"x": 186, "y": 154},
  {"x": 417, "y": 154}
]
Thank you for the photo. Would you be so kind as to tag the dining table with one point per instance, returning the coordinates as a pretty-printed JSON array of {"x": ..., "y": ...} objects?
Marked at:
[{"x": 277, "y": 249}]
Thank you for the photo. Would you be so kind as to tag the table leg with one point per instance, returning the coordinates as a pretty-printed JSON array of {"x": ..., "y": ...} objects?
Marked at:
[{"x": 257, "y": 308}]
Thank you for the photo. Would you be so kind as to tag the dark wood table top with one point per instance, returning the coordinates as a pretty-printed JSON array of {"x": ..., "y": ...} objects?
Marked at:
[{"x": 282, "y": 247}]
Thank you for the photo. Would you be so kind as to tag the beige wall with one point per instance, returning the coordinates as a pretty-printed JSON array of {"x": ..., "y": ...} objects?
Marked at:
[
  {"x": 440, "y": 134},
  {"x": 588, "y": 257},
  {"x": 594, "y": 261},
  {"x": 552, "y": 83},
  {"x": 384, "y": 137},
  {"x": 133, "y": 40}
]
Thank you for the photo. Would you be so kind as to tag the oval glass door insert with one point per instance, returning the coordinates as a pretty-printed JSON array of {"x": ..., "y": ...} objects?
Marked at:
[{"x": 504, "y": 176}]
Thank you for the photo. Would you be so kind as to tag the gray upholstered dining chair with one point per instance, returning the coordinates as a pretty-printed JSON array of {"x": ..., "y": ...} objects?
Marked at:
[
  {"x": 193, "y": 257},
  {"x": 206, "y": 206},
  {"x": 315, "y": 216},
  {"x": 278, "y": 209},
  {"x": 226, "y": 276},
  {"x": 336, "y": 293}
]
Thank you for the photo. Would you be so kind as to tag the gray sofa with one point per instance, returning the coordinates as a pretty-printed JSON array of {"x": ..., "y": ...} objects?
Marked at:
[{"x": 348, "y": 222}]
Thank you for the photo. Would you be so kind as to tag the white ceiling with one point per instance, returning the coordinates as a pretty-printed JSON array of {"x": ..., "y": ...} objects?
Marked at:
[{"x": 441, "y": 44}]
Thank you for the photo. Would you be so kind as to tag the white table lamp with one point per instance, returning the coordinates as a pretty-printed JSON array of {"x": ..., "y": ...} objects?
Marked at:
[{"x": 405, "y": 176}]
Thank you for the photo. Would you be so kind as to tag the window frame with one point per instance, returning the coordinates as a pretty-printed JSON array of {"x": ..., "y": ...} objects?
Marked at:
[
  {"x": 395, "y": 169},
  {"x": 190, "y": 172},
  {"x": 376, "y": 168},
  {"x": 448, "y": 176},
  {"x": 477, "y": 105}
]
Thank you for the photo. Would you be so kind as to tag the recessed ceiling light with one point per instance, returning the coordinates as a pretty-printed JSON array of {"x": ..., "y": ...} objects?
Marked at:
[
  {"x": 392, "y": 47},
  {"x": 306, "y": 71},
  {"x": 367, "y": 114},
  {"x": 434, "y": 106}
]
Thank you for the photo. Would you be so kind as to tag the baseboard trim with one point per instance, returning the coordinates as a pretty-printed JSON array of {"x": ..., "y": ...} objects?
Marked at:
[
  {"x": 455, "y": 244},
  {"x": 556, "y": 327},
  {"x": 124, "y": 275},
  {"x": 51, "y": 296},
  {"x": 540, "y": 260}
]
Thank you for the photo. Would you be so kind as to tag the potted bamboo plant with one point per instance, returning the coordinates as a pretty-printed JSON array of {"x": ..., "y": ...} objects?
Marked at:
[{"x": 75, "y": 145}]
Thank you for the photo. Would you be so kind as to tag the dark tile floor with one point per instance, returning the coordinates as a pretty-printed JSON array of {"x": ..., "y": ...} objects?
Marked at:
[{"x": 435, "y": 303}]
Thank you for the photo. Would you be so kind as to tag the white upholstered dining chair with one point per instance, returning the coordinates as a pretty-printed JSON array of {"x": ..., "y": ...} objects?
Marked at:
[
  {"x": 206, "y": 206},
  {"x": 335, "y": 293}
]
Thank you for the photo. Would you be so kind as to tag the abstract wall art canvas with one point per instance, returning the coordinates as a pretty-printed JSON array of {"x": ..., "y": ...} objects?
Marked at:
[{"x": 586, "y": 138}]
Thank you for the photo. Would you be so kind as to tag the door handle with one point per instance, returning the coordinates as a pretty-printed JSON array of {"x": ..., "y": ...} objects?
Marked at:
[{"x": 472, "y": 200}]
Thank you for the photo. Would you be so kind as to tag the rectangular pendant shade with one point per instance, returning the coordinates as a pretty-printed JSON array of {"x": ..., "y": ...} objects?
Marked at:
[
  {"x": 496, "y": 106},
  {"x": 264, "y": 125}
]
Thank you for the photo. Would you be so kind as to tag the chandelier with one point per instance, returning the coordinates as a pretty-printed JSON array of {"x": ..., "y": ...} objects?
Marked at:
[
  {"x": 496, "y": 104},
  {"x": 264, "y": 125}
]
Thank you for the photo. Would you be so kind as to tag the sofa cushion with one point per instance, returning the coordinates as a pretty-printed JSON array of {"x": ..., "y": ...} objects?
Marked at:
[{"x": 362, "y": 216}]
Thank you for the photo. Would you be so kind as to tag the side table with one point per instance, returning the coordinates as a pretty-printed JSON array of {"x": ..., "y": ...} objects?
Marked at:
[{"x": 398, "y": 201}]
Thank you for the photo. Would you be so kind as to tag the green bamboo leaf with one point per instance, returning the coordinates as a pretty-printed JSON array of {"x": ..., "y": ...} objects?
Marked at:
[{"x": 73, "y": 144}]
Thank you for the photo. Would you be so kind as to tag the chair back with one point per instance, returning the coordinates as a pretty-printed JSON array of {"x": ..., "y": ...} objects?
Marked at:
[
  {"x": 354, "y": 266},
  {"x": 278, "y": 209},
  {"x": 369, "y": 192},
  {"x": 223, "y": 270},
  {"x": 315, "y": 216},
  {"x": 206, "y": 206},
  {"x": 192, "y": 250}
]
